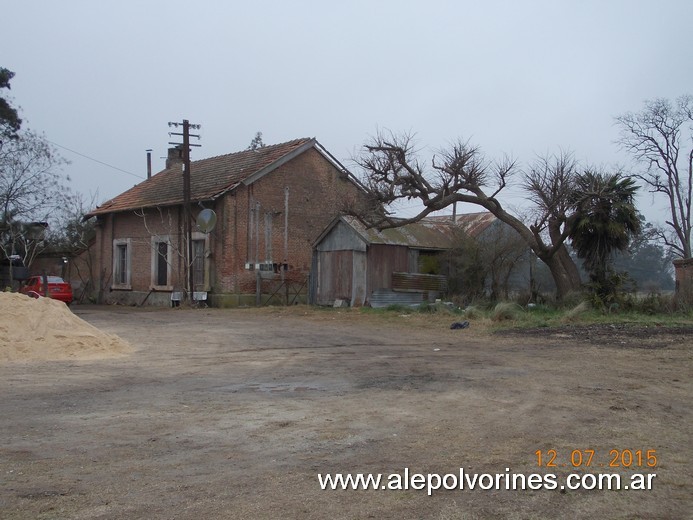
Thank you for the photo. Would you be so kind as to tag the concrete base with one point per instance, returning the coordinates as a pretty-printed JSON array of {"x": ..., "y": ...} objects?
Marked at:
[
  {"x": 163, "y": 299},
  {"x": 138, "y": 298}
]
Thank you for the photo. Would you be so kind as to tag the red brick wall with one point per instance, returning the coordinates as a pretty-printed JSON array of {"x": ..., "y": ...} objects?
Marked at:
[
  {"x": 138, "y": 227},
  {"x": 317, "y": 192}
]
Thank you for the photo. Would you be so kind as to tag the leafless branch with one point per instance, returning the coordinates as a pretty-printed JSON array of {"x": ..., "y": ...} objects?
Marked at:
[{"x": 655, "y": 137}]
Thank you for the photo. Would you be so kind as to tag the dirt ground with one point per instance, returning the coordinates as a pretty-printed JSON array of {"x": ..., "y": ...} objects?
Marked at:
[{"x": 234, "y": 413}]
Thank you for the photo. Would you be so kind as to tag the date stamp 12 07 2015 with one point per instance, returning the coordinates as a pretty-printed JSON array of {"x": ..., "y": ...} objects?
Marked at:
[{"x": 589, "y": 458}]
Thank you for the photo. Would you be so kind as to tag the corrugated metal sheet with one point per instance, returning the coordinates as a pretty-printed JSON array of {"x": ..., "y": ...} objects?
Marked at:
[
  {"x": 416, "y": 282},
  {"x": 430, "y": 233},
  {"x": 422, "y": 235},
  {"x": 386, "y": 297},
  {"x": 471, "y": 223}
]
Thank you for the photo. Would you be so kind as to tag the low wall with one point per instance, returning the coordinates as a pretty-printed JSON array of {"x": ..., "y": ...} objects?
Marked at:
[{"x": 138, "y": 298}]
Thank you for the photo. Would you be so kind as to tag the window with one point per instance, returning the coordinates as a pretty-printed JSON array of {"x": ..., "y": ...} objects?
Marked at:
[
  {"x": 161, "y": 263},
  {"x": 200, "y": 261},
  {"x": 121, "y": 276},
  {"x": 121, "y": 263},
  {"x": 198, "y": 265}
]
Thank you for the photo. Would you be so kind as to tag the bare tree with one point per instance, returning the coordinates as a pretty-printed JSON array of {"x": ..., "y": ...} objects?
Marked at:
[
  {"x": 466, "y": 270},
  {"x": 30, "y": 187},
  {"x": 30, "y": 191},
  {"x": 661, "y": 137},
  {"x": 549, "y": 182},
  {"x": 460, "y": 173},
  {"x": 73, "y": 235},
  {"x": 501, "y": 251}
]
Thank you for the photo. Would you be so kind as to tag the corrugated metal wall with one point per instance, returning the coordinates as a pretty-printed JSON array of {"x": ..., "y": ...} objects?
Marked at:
[{"x": 416, "y": 282}]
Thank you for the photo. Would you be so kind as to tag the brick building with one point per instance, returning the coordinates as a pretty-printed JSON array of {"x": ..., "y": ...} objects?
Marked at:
[
  {"x": 270, "y": 205},
  {"x": 684, "y": 281}
]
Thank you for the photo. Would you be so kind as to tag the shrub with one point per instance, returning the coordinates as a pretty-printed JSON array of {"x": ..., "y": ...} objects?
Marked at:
[
  {"x": 439, "y": 307},
  {"x": 572, "y": 299},
  {"x": 506, "y": 311},
  {"x": 654, "y": 303},
  {"x": 472, "y": 313}
]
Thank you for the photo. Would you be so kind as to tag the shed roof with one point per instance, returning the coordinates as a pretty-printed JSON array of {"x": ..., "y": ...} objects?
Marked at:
[
  {"x": 210, "y": 177},
  {"x": 429, "y": 233},
  {"x": 472, "y": 223}
]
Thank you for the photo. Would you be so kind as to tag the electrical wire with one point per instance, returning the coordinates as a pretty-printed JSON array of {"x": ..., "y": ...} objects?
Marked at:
[{"x": 96, "y": 160}]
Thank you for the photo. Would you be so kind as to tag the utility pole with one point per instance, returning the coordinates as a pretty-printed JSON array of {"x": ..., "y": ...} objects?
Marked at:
[{"x": 187, "y": 210}]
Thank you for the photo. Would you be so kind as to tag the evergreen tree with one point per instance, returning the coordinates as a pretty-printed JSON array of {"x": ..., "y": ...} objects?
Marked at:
[
  {"x": 606, "y": 222},
  {"x": 9, "y": 118}
]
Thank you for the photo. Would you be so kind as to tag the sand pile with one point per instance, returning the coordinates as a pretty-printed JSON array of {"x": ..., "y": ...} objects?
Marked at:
[{"x": 46, "y": 329}]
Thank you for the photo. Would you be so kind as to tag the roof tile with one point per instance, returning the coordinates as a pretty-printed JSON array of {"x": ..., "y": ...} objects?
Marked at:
[{"x": 209, "y": 178}]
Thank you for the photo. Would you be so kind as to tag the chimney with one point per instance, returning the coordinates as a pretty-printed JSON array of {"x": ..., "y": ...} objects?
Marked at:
[
  {"x": 149, "y": 164},
  {"x": 175, "y": 156}
]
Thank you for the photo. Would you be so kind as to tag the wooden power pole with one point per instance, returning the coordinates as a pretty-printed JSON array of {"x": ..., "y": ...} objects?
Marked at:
[{"x": 187, "y": 209}]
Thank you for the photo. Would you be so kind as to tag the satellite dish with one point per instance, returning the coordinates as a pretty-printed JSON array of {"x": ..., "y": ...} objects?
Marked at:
[{"x": 206, "y": 220}]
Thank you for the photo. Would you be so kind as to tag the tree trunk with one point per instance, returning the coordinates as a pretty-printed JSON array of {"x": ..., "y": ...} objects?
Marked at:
[{"x": 564, "y": 272}]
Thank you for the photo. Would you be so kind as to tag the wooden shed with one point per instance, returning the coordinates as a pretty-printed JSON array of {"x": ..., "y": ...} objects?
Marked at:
[{"x": 360, "y": 265}]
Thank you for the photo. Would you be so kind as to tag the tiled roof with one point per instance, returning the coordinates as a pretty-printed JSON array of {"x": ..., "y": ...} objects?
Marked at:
[{"x": 209, "y": 177}]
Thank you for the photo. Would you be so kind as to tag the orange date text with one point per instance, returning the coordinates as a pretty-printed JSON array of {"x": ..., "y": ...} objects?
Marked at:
[{"x": 588, "y": 458}]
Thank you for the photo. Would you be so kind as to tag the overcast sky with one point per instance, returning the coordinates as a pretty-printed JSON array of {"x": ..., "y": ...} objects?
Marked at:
[{"x": 520, "y": 77}]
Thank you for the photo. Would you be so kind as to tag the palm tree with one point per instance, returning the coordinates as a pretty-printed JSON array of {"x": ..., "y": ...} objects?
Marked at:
[{"x": 606, "y": 221}]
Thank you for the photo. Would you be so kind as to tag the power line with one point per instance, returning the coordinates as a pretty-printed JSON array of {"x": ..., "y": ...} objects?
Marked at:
[{"x": 95, "y": 160}]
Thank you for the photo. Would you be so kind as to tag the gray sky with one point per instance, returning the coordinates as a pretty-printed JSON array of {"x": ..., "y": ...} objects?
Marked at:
[{"x": 518, "y": 77}]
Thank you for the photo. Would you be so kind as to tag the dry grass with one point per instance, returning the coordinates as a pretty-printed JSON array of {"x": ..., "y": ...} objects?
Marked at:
[
  {"x": 506, "y": 311},
  {"x": 576, "y": 312}
]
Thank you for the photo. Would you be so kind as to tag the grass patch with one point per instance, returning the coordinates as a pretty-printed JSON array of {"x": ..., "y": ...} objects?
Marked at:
[
  {"x": 576, "y": 312},
  {"x": 502, "y": 316},
  {"x": 585, "y": 315},
  {"x": 390, "y": 309}
]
